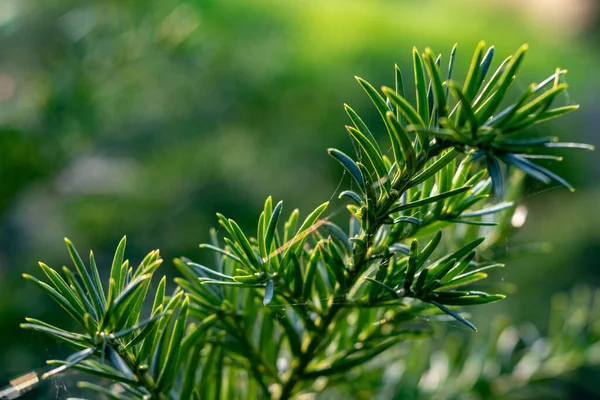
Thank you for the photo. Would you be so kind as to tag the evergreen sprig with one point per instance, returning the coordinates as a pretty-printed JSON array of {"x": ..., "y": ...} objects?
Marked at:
[
  {"x": 303, "y": 299},
  {"x": 116, "y": 343}
]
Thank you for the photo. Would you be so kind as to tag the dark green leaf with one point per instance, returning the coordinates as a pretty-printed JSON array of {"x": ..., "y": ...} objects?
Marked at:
[
  {"x": 352, "y": 195},
  {"x": 191, "y": 370},
  {"x": 465, "y": 110},
  {"x": 450, "y": 68},
  {"x": 496, "y": 174},
  {"x": 311, "y": 270},
  {"x": 485, "y": 65},
  {"x": 350, "y": 166},
  {"x": 268, "y": 293},
  {"x": 334, "y": 263},
  {"x": 490, "y": 210},
  {"x": 453, "y": 314},
  {"x": 484, "y": 95},
  {"x": 421, "y": 279},
  {"x": 355, "y": 359},
  {"x": 272, "y": 227},
  {"x": 474, "y": 76},
  {"x": 119, "y": 364},
  {"x": 410, "y": 220},
  {"x": 73, "y": 359},
  {"x": 413, "y": 264},
  {"x": 471, "y": 300},
  {"x": 378, "y": 285},
  {"x": 535, "y": 170},
  {"x": 209, "y": 383}
]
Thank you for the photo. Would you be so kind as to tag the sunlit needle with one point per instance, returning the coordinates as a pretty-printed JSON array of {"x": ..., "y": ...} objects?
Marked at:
[{"x": 19, "y": 386}]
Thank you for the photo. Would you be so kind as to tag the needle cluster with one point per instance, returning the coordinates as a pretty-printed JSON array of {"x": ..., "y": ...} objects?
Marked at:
[{"x": 300, "y": 302}]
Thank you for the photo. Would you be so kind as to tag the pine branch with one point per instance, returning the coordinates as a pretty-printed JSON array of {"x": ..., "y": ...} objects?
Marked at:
[{"x": 393, "y": 265}]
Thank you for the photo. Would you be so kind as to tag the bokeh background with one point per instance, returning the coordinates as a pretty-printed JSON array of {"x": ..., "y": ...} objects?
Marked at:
[{"x": 145, "y": 118}]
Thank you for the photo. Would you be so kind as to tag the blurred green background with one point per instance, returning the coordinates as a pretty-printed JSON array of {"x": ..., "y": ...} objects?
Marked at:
[{"x": 146, "y": 117}]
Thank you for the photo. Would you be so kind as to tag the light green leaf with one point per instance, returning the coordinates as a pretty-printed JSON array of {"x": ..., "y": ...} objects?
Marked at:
[
  {"x": 304, "y": 230},
  {"x": 436, "y": 83},
  {"x": 369, "y": 149},
  {"x": 412, "y": 116},
  {"x": 403, "y": 149},
  {"x": 503, "y": 84},
  {"x": 429, "y": 200},
  {"x": 435, "y": 167},
  {"x": 362, "y": 127},
  {"x": 420, "y": 86},
  {"x": 85, "y": 277},
  {"x": 115, "y": 271}
]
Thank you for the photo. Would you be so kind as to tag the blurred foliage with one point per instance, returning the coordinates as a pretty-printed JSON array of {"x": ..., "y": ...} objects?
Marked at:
[
  {"x": 507, "y": 362},
  {"x": 116, "y": 111}
]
